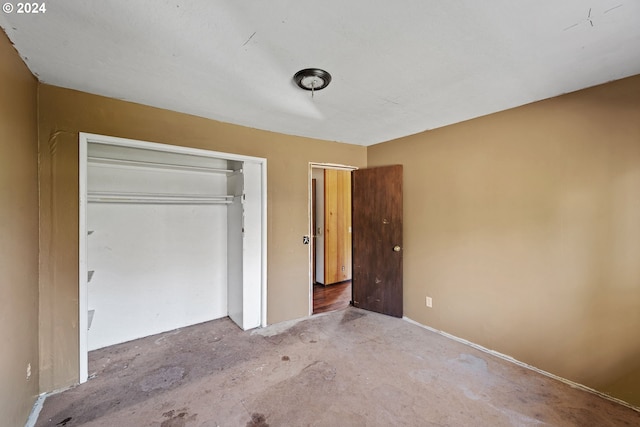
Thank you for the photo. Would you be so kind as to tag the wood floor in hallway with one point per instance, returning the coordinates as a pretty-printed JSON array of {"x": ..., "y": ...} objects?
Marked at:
[{"x": 331, "y": 297}]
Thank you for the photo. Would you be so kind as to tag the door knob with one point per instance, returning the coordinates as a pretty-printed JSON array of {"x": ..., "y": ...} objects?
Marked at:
[{"x": 396, "y": 248}]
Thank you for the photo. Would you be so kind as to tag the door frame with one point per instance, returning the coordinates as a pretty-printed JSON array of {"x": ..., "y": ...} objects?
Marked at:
[
  {"x": 84, "y": 140},
  {"x": 312, "y": 166}
]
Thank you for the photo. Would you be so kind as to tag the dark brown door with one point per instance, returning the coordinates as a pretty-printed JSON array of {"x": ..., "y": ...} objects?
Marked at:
[{"x": 377, "y": 239}]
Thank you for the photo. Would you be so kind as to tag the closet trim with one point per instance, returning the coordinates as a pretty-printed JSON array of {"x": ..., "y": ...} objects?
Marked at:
[{"x": 83, "y": 160}]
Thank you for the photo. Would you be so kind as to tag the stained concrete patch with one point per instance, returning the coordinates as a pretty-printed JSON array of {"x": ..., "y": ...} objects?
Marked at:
[
  {"x": 178, "y": 418},
  {"x": 423, "y": 375},
  {"x": 473, "y": 362},
  {"x": 351, "y": 315},
  {"x": 162, "y": 378},
  {"x": 298, "y": 397},
  {"x": 318, "y": 371},
  {"x": 469, "y": 393},
  {"x": 309, "y": 337},
  {"x": 257, "y": 420}
]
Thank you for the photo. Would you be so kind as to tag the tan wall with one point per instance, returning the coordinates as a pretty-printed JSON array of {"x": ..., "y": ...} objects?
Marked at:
[
  {"x": 524, "y": 227},
  {"x": 18, "y": 237},
  {"x": 63, "y": 113}
]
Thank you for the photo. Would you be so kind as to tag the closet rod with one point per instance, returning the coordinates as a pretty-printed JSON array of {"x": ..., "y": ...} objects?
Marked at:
[
  {"x": 155, "y": 198},
  {"x": 156, "y": 165}
]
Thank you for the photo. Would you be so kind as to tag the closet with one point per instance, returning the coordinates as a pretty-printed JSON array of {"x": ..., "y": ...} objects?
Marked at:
[{"x": 173, "y": 238}]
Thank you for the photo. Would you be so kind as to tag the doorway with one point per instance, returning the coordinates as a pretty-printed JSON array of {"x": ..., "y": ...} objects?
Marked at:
[
  {"x": 375, "y": 232},
  {"x": 330, "y": 262},
  {"x": 169, "y": 236}
]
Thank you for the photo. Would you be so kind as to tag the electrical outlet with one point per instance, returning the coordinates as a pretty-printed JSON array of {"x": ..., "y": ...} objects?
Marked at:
[
  {"x": 429, "y": 302},
  {"x": 28, "y": 371}
]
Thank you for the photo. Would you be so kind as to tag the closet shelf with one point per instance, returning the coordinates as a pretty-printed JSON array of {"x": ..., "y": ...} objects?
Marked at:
[
  {"x": 157, "y": 198},
  {"x": 154, "y": 165}
]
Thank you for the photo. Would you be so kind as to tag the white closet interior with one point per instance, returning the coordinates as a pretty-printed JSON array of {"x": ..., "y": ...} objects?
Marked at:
[{"x": 172, "y": 239}]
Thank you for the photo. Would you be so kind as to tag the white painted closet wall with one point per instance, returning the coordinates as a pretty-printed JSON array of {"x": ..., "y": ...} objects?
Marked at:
[{"x": 156, "y": 267}]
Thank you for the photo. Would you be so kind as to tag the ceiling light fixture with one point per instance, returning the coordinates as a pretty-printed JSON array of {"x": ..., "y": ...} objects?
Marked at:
[{"x": 312, "y": 79}]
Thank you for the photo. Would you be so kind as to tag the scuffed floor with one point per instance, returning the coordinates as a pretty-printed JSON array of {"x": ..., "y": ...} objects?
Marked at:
[{"x": 347, "y": 368}]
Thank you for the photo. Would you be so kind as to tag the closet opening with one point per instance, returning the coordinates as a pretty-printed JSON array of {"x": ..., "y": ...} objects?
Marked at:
[
  {"x": 330, "y": 225},
  {"x": 169, "y": 237}
]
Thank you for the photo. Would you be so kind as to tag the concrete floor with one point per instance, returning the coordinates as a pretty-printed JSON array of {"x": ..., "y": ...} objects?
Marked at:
[{"x": 346, "y": 368}]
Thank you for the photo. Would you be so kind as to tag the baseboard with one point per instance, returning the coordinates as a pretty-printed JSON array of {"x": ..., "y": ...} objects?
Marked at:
[
  {"x": 35, "y": 410},
  {"x": 37, "y": 406},
  {"x": 524, "y": 365}
]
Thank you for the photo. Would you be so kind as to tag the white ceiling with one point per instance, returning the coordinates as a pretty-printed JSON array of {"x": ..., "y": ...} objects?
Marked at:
[{"x": 398, "y": 67}]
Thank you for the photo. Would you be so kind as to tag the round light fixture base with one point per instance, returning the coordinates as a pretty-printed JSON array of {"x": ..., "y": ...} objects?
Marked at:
[{"x": 312, "y": 79}]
